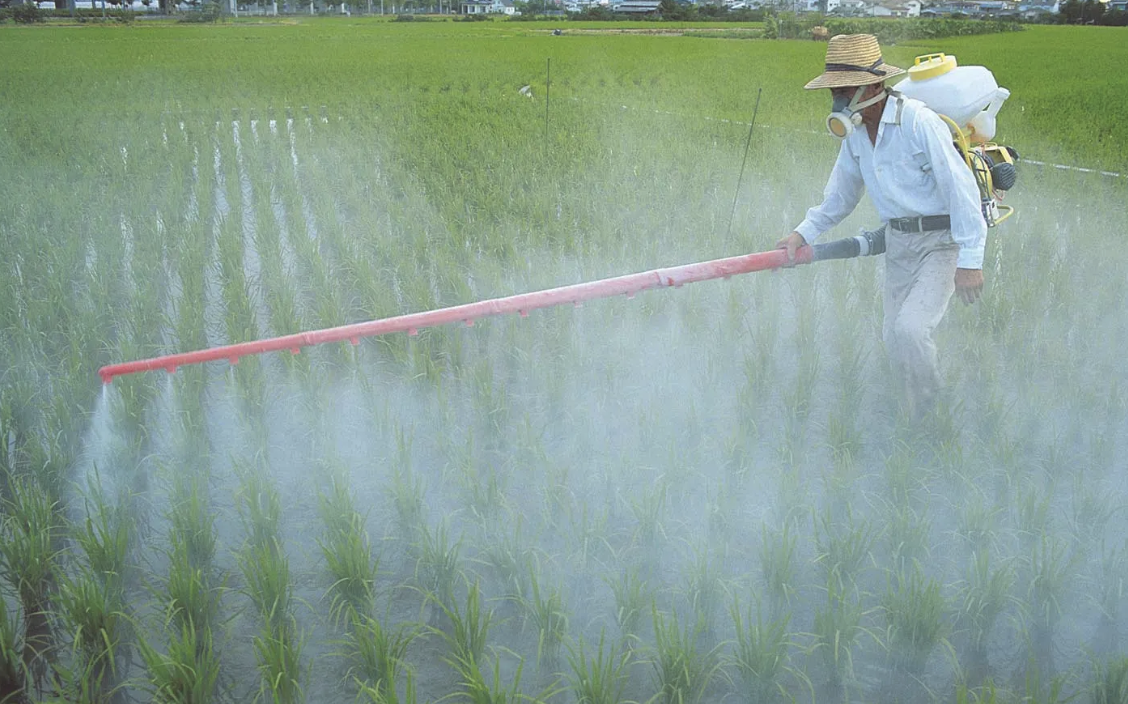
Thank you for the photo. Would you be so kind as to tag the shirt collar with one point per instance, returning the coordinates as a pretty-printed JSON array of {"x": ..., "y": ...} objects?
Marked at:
[{"x": 893, "y": 105}]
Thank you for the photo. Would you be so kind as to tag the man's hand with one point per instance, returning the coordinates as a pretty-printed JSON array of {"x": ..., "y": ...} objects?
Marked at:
[
  {"x": 791, "y": 243},
  {"x": 969, "y": 284}
]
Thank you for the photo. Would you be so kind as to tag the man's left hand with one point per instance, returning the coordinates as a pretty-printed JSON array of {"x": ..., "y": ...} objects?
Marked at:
[{"x": 969, "y": 284}]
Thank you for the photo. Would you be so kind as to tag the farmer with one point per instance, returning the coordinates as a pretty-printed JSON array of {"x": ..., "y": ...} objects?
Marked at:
[{"x": 902, "y": 153}]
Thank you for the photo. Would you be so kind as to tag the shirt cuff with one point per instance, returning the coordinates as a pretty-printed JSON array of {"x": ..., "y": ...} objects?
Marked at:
[
  {"x": 969, "y": 258},
  {"x": 808, "y": 230}
]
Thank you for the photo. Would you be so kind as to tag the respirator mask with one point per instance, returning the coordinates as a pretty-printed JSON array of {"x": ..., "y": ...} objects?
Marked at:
[{"x": 846, "y": 112}]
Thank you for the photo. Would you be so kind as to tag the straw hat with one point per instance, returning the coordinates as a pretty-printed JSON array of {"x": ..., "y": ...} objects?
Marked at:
[{"x": 853, "y": 60}]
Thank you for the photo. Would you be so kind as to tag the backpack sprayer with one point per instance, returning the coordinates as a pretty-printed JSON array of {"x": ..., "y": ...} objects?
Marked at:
[{"x": 957, "y": 93}]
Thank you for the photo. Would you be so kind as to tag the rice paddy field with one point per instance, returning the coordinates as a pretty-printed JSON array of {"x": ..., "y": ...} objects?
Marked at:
[{"x": 700, "y": 495}]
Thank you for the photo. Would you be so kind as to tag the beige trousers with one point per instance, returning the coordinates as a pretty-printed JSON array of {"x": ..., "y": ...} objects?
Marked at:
[{"x": 920, "y": 271}]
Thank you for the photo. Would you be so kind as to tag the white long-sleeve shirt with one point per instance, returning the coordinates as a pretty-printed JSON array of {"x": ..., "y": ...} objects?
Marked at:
[{"x": 913, "y": 170}]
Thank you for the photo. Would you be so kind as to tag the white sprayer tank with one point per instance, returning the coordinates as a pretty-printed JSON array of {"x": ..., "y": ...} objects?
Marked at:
[{"x": 968, "y": 95}]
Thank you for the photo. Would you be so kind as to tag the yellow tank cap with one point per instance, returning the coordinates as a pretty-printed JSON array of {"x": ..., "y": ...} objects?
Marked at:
[{"x": 931, "y": 66}]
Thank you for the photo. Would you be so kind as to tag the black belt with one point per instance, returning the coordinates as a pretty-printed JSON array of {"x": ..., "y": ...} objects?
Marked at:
[{"x": 925, "y": 223}]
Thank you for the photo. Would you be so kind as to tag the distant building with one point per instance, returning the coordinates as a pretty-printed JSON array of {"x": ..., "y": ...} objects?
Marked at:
[
  {"x": 637, "y": 7},
  {"x": 1032, "y": 10},
  {"x": 475, "y": 7}
]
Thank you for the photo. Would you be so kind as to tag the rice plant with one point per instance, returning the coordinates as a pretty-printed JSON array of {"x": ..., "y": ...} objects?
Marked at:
[
  {"x": 761, "y": 655},
  {"x": 13, "y": 674},
  {"x": 188, "y": 672},
  {"x": 704, "y": 591},
  {"x": 192, "y": 531},
  {"x": 509, "y": 563},
  {"x": 1051, "y": 569},
  {"x": 437, "y": 567},
  {"x": 597, "y": 677},
  {"x": 631, "y": 598},
  {"x": 192, "y": 597},
  {"x": 978, "y": 524},
  {"x": 908, "y": 536},
  {"x": 1110, "y": 685},
  {"x": 469, "y": 628},
  {"x": 915, "y": 623},
  {"x": 278, "y": 655},
  {"x": 260, "y": 508},
  {"x": 105, "y": 535},
  {"x": 93, "y": 609},
  {"x": 843, "y": 547},
  {"x": 777, "y": 565},
  {"x": 28, "y": 552},
  {"x": 648, "y": 513},
  {"x": 478, "y": 687},
  {"x": 348, "y": 555},
  {"x": 374, "y": 694},
  {"x": 548, "y": 614},
  {"x": 376, "y": 653},
  {"x": 837, "y": 630},
  {"x": 407, "y": 500},
  {"x": 682, "y": 672},
  {"x": 266, "y": 580},
  {"x": 1113, "y": 568},
  {"x": 981, "y": 601}
]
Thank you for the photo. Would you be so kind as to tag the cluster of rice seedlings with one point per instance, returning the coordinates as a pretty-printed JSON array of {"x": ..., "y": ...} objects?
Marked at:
[
  {"x": 977, "y": 524},
  {"x": 376, "y": 655},
  {"x": 632, "y": 596},
  {"x": 843, "y": 546},
  {"x": 648, "y": 512},
  {"x": 598, "y": 677},
  {"x": 348, "y": 554},
  {"x": 92, "y": 605},
  {"x": 1110, "y": 682},
  {"x": 188, "y": 672},
  {"x": 468, "y": 629},
  {"x": 704, "y": 591},
  {"x": 777, "y": 565},
  {"x": 29, "y": 555},
  {"x": 509, "y": 563},
  {"x": 761, "y": 656},
  {"x": 437, "y": 570},
  {"x": 1113, "y": 568},
  {"x": 407, "y": 502},
  {"x": 1050, "y": 567},
  {"x": 916, "y": 622},
  {"x": 682, "y": 671},
  {"x": 13, "y": 674},
  {"x": 266, "y": 581},
  {"x": 982, "y": 599},
  {"x": 837, "y": 630},
  {"x": 387, "y": 695},
  {"x": 545, "y": 608},
  {"x": 908, "y": 537}
]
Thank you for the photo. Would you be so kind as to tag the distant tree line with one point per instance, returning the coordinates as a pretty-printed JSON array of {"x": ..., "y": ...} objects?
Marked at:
[{"x": 1090, "y": 12}]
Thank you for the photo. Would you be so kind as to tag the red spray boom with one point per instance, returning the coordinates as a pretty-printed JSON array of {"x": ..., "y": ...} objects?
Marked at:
[{"x": 521, "y": 304}]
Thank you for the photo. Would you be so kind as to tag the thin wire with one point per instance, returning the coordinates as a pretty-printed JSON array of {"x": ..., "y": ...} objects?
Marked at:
[
  {"x": 744, "y": 161},
  {"x": 547, "y": 83}
]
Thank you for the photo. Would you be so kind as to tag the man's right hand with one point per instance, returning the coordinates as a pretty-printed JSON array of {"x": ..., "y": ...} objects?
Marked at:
[{"x": 791, "y": 243}]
